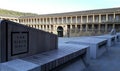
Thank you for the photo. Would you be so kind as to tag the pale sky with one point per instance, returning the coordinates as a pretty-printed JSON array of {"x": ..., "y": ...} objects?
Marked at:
[{"x": 56, "y": 6}]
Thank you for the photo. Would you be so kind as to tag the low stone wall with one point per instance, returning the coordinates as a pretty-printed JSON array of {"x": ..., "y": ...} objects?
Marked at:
[{"x": 17, "y": 40}]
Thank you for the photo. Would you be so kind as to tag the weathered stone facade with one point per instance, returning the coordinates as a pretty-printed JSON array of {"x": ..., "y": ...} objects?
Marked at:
[{"x": 89, "y": 22}]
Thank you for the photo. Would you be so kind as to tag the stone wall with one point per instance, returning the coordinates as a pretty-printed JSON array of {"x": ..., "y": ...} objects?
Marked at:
[{"x": 17, "y": 40}]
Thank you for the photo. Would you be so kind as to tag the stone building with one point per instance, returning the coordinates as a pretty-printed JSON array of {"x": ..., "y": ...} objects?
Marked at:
[{"x": 91, "y": 22}]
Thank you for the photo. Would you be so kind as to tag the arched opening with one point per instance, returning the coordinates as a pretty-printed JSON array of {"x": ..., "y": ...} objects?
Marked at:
[{"x": 60, "y": 31}]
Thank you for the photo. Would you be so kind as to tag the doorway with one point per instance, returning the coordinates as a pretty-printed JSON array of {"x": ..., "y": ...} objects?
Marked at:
[{"x": 60, "y": 31}]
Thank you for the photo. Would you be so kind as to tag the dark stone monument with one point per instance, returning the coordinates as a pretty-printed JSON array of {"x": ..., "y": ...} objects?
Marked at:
[{"x": 17, "y": 41}]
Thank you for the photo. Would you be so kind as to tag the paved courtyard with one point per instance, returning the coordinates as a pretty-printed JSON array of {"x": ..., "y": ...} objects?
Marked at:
[{"x": 109, "y": 61}]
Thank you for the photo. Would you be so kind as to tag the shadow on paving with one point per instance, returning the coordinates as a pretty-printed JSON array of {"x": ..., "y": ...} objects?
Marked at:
[{"x": 109, "y": 61}]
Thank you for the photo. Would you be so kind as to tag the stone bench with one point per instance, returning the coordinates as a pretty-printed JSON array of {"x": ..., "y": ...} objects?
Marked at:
[
  {"x": 48, "y": 60},
  {"x": 111, "y": 39},
  {"x": 97, "y": 46}
]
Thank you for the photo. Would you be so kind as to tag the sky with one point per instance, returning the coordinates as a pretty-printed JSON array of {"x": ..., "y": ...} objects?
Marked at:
[{"x": 56, "y": 6}]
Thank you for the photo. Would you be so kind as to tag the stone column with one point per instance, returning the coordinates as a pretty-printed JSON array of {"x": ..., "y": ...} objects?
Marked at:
[
  {"x": 53, "y": 20},
  {"x": 76, "y": 28},
  {"x": 62, "y": 19},
  {"x": 113, "y": 20},
  {"x": 71, "y": 19},
  {"x": 93, "y": 27},
  {"x": 30, "y": 21},
  {"x": 33, "y": 21},
  {"x": 42, "y": 20},
  {"x": 106, "y": 26},
  {"x": 50, "y": 28},
  {"x": 99, "y": 18},
  {"x": 86, "y": 27},
  {"x": 106, "y": 17},
  {"x": 57, "y": 20},
  {"x": 113, "y": 25},
  {"x": 76, "y": 20},
  {"x": 39, "y": 21},
  {"x": 81, "y": 28},
  {"x": 87, "y": 18},
  {"x": 93, "y": 18},
  {"x": 71, "y": 28},
  {"x": 99, "y": 28},
  {"x": 66, "y": 19},
  {"x": 50, "y": 21},
  {"x": 81, "y": 19}
]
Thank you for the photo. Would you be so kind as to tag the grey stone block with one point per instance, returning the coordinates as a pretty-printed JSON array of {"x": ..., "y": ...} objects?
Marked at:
[
  {"x": 18, "y": 41},
  {"x": 97, "y": 46},
  {"x": 19, "y": 65},
  {"x": 52, "y": 59},
  {"x": 110, "y": 39}
]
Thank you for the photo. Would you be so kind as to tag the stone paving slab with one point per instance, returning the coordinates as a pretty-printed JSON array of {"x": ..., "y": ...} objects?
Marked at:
[
  {"x": 110, "y": 39},
  {"x": 110, "y": 61},
  {"x": 19, "y": 65},
  {"x": 97, "y": 46},
  {"x": 46, "y": 60}
]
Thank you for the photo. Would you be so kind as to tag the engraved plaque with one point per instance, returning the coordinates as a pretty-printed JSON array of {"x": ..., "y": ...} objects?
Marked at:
[{"x": 19, "y": 43}]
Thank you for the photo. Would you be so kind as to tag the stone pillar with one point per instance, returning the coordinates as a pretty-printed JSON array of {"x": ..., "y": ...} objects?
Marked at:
[
  {"x": 30, "y": 21},
  {"x": 53, "y": 20},
  {"x": 45, "y": 20},
  {"x": 106, "y": 26},
  {"x": 71, "y": 19},
  {"x": 87, "y": 18},
  {"x": 50, "y": 28},
  {"x": 106, "y": 17},
  {"x": 42, "y": 27},
  {"x": 86, "y": 27},
  {"x": 50, "y": 21},
  {"x": 113, "y": 25},
  {"x": 76, "y": 20},
  {"x": 35, "y": 20},
  {"x": 42, "y": 20},
  {"x": 99, "y": 18},
  {"x": 99, "y": 28},
  {"x": 93, "y": 27},
  {"x": 23, "y": 21},
  {"x": 76, "y": 28},
  {"x": 81, "y": 28},
  {"x": 66, "y": 19},
  {"x": 57, "y": 20},
  {"x": 113, "y": 20},
  {"x": 93, "y": 18},
  {"x": 62, "y": 19},
  {"x": 39, "y": 21},
  {"x": 81, "y": 19},
  {"x": 39, "y": 26}
]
